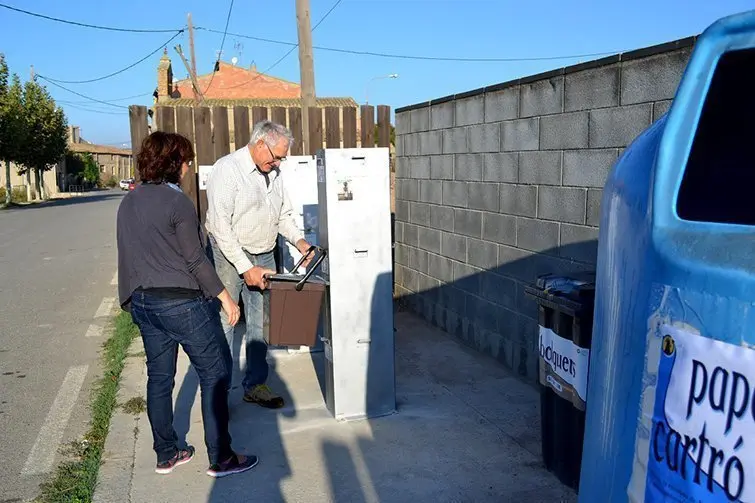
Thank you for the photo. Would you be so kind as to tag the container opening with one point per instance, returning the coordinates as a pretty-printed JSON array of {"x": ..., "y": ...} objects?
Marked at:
[{"x": 719, "y": 180}]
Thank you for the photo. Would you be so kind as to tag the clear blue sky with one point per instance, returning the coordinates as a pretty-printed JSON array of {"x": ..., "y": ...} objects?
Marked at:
[{"x": 436, "y": 28}]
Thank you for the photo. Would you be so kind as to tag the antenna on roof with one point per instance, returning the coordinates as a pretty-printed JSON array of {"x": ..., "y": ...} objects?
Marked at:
[{"x": 239, "y": 48}]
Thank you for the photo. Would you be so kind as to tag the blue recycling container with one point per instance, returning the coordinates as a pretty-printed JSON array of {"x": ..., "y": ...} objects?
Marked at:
[{"x": 671, "y": 394}]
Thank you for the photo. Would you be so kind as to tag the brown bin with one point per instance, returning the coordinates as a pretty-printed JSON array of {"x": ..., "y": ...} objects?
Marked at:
[{"x": 293, "y": 304}]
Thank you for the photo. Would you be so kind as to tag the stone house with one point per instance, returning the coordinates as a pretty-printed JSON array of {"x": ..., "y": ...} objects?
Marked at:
[
  {"x": 113, "y": 162},
  {"x": 27, "y": 182}
]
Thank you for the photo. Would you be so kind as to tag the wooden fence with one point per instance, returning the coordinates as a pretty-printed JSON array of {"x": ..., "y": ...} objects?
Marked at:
[{"x": 209, "y": 130}]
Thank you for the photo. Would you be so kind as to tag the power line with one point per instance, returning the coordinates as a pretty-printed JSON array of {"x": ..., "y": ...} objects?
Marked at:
[
  {"x": 259, "y": 39},
  {"x": 122, "y": 69},
  {"x": 114, "y": 99},
  {"x": 413, "y": 57},
  {"x": 85, "y": 25},
  {"x": 465, "y": 60},
  {"x": 295, "y": 46},
  {"x": 225, "y": 33},
  {"x": 85, "y": 109},
  {"x": 79, "y": 94},
  {"x": 325, "y": 16}
]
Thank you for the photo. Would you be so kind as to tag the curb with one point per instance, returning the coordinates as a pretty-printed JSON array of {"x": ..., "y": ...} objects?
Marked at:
[{"x": 115, "y": 475}]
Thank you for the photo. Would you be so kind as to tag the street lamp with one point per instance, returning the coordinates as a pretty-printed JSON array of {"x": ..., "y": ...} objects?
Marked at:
[{"x": 367, "y": 87}]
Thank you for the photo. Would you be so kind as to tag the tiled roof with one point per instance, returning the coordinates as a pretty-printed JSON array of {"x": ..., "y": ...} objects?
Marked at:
[
  {"x": 246, "y": 72},
  {"x": 97, "y": 149},
  {"x": 258, "y": 102},
  {"x": 234, "y": 82},
  {"x": 234, "y": 85}
]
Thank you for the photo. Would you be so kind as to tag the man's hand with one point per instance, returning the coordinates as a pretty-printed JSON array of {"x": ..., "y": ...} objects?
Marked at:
[
  {"x": 303, "y": 246},
  {"x": 257, "y": 277}
]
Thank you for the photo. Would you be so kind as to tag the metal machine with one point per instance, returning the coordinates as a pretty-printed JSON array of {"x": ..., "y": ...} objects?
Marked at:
[
  {"x": 354, "y": 225},
  {"x": 299, "y": 177}
]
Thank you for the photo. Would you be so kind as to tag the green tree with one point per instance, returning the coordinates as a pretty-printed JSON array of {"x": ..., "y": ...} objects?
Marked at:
[
  {"x": 3, "y": 75},
  {"x": 47, "y": 142},
  {"x": 3, "y": 94},
  {"x": 392, "y": 135},
  {"x": 12, "y": 123},
  {"x": 91, "y": 171}
]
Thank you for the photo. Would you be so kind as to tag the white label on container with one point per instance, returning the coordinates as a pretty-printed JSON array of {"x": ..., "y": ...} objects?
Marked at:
[
  {"x": 702, "y": 438},
  {"x": 567, "y": 360}
]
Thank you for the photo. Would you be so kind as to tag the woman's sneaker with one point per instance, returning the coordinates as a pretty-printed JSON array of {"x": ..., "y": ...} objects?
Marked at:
[
  {"x": 235, "y": 464},
  {"x": 182, "y": 457}
]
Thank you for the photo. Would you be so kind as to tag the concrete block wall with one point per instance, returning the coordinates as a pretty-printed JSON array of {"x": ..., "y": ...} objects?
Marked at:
[{"x": 499, "y": 185}]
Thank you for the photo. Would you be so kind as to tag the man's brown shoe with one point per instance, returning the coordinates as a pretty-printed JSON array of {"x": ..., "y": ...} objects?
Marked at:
[{"x": 262, "y": 395}]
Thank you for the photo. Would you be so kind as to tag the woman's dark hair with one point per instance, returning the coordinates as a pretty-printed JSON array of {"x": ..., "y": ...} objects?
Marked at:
[{"x": 162, "y": 155}]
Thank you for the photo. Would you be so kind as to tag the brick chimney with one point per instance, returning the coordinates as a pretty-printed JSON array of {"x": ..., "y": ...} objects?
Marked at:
[
  {"x": 73, "y": 134},
  {"x": 164, "y": 78}
]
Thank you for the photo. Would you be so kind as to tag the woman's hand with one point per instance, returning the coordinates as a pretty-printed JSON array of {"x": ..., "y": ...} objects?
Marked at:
[{"x": 230, "y": 307}]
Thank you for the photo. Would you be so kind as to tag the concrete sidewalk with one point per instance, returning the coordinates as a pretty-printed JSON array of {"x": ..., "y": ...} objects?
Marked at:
[{"x": 466, "y": 431}]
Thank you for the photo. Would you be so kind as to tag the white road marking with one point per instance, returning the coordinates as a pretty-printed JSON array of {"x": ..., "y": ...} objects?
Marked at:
[
  {"x": 94, "y": 330},
  {"x": 106, "y": 307},
  {"x": 114, "y": 281},
  {"x": 42, "y": 455}
]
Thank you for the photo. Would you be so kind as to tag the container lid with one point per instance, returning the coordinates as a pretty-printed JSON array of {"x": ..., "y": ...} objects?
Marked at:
[
  {"x": 571, "y": 292},
  {"x": 571, "y": 285}
]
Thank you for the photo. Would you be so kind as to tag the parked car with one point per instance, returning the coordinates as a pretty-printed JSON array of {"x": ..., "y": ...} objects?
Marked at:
[
  {"x": 131, "y": 185},
  {"x": 124, "y": 184}
]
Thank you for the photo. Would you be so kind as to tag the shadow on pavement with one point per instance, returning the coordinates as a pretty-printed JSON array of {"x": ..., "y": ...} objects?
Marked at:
[
  {"x": 91, "y": 197},
  {"x": 256, "y": 430},
  {"x": 253, "y": 429},
  {"x": 467, "y": 427},
  {"x": 459, "y": 435}
]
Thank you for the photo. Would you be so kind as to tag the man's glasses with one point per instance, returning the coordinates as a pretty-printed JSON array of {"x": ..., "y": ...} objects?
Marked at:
[{"x": 275, "y": 157}]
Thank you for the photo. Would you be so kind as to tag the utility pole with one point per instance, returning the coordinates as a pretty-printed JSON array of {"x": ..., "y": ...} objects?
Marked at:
[
  {"x": 306, "y": 68},
  {"x": 28, "y": 169},
  {"x": 193, "y": 71},
  {"x": 192, "y": 75}
]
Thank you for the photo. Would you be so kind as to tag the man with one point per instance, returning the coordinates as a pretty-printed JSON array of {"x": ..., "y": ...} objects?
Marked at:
[{"x": 247, "y": 208}]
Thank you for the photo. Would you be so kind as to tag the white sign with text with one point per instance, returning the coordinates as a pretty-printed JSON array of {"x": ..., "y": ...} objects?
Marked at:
[
  {"x": 203, "y": 174},
  {"x": 567, "y": 360}
]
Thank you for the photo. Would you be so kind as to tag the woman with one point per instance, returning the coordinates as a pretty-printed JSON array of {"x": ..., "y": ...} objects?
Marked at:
[{"x": 167, "y": 283}]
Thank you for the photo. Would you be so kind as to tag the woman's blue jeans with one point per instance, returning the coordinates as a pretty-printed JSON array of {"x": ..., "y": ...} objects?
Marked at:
[{"x": 195, "y": 325}]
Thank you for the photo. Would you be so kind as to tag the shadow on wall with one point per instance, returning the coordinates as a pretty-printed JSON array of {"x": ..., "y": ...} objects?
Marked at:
[{"x": 487, "y": 309}]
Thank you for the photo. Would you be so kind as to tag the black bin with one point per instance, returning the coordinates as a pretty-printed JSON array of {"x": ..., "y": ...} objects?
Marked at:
[{"x": 565, "y": 317}]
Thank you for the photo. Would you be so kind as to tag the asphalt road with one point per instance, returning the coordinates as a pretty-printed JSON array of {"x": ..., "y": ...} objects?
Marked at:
[{"x": 57, "y": 263}]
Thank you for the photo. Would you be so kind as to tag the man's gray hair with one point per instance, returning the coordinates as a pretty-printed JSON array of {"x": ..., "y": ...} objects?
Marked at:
[{"x": 271, "y": 133}]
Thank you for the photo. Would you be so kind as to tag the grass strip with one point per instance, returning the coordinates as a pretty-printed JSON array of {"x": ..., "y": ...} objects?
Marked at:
[{"x": 74, "y": 480}]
